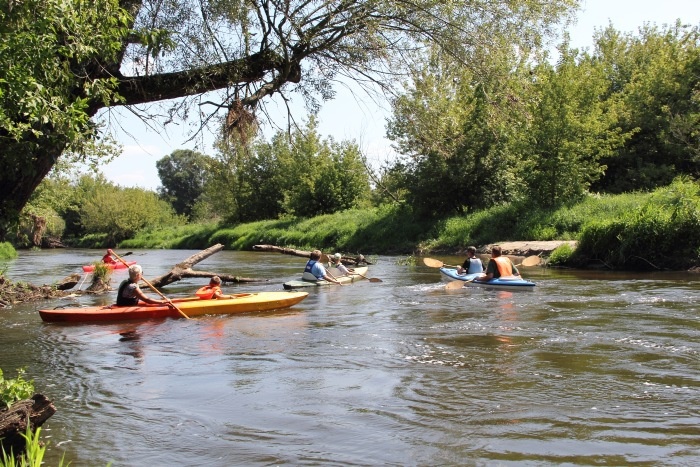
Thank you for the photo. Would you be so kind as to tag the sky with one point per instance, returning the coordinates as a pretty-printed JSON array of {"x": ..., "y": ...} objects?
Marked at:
[{"x": 355, "y": 116}]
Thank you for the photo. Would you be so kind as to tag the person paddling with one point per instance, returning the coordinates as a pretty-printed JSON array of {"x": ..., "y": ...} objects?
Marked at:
[
  {"x": 108, "y": 259},
  {"x": 472, "y": 264},
  {"x": 129, "y": 292},
  {"x": 213, "y": 290},
  {"x": 499, "y": 266},
  {"x": 315, "y": 271}
]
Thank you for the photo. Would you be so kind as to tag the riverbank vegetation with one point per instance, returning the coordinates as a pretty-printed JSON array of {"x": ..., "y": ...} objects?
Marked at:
[
  {"x": 597, "y": 146},
  {"x": 642, "y": 231}
]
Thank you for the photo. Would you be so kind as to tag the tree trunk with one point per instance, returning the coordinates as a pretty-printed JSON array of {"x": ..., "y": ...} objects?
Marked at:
[
  {"x": 347, "y": 260},
  {"x": 13, "y": 421},
  {"x": 184, "y": 269}
]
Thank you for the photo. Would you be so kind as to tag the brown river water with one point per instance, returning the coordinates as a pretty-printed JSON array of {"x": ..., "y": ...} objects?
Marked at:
[{"x": 590, "y": 368}]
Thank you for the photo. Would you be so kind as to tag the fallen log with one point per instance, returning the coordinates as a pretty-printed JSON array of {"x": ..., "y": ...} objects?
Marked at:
[
  {"x": 347, "y": 260},
  {"x": 184, "y": 270},
  {"x": 13, "y": 421}
]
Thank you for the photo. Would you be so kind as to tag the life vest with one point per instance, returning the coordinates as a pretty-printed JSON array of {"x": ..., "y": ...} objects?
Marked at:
[
  {"x": 125, "y": 301},
  {"x": 475, "y": 265},
  {"x": 207, "y": 292},
  {"x": 505, "y": 267}
]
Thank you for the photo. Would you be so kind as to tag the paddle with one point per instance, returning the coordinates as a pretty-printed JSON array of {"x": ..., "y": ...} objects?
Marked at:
[
  {"x": 455, "y": 285},
  {"x": 170, "y": 302},
  {"x": 434, "y": 263},
  {"x": 533, "y": 260},
  {"x": 371, "y": 279}
]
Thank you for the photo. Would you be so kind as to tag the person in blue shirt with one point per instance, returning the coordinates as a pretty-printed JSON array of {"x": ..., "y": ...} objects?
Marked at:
[{"x": 315, "y": 271}]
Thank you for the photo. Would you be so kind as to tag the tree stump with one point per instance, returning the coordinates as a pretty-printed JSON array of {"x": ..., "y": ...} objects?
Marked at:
[{"x": 13, "y": 421}]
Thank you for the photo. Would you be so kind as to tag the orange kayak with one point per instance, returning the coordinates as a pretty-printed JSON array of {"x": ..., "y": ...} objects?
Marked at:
[{"x": 190, "y": 306}]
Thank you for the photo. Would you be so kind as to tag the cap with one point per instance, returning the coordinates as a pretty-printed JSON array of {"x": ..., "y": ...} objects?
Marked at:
[{"x": 337, "y": 255}]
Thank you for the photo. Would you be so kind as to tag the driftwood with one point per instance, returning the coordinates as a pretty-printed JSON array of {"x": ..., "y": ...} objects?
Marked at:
[
  {"x": 347, "y": 260},
  {"x": 184, "y": 270},
  {"x": 13, "y": 421}
]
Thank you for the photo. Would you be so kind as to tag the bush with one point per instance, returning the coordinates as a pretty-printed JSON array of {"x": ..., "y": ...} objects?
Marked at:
[
  {"x": 13, "y": 390},
  {"x": 561, "y": 254},
  {"x": 7, "y": 251}
]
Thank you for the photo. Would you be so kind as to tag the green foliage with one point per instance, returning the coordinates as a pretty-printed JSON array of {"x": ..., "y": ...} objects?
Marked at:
[
  {"x": 105, "y": 214},
  {"x": 7, "y": 251},
  {"x": 191, "y": 236},
  {"x": 38, "y": 90},
  {"x": 656, "y": 77},
  {"x": 458, "y": 150},
  {"x": 183, "y": 175},
  {"x": 17, "y": 389},
  {"x": 34, "y": 452},
  {"x": 561, "y": 254},
  {"x": 303, "y": 176},
  {"x": 664, "y": 232},
  {"x": 571, "y": 128}
]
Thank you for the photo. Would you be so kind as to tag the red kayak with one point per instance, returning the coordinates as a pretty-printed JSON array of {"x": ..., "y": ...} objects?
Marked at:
[{"x": 91, "y": 267}]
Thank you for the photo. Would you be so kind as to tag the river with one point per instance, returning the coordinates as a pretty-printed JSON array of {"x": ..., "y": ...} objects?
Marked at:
[{"x": 590, "y": 368}]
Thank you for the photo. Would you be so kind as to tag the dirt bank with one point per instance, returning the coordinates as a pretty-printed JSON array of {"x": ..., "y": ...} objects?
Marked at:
[{"x": 527, "y": 248}]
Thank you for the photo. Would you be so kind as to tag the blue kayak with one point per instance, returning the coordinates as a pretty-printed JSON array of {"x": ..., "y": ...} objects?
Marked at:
[{"x": 515, "y": 282}]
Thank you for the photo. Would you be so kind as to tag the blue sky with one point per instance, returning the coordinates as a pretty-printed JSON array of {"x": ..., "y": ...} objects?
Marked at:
[{"x": 357, "y": 116}]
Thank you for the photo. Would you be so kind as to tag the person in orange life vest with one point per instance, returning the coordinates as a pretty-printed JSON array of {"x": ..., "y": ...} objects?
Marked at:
[
  {"x": 213, "y": 290},
  {"x": 499, "y": 266},
  {"x": 107, "y": 259}
]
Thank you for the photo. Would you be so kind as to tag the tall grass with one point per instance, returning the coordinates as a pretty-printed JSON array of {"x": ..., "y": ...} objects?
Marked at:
[{"x": 661, "y": 233}]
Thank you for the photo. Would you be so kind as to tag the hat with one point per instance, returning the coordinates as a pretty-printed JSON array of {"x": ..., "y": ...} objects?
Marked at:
[{"x": 337, "y": 256}]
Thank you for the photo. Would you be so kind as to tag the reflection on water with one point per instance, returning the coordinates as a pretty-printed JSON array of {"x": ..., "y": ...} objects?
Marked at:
[{"x": 589, "y": 368}]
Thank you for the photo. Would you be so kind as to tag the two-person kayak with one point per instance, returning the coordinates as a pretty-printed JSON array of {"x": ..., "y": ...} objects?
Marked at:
[
  {"x": 357, "y": 274},
  {"x": 512, "y": 282},
  {"x": 190, "y": 306}
]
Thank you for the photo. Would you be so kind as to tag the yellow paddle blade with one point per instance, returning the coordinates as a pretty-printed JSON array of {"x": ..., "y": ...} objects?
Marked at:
[
  {"x": 455, "y": 285},
  {"x": 531, "y": 261},
  {"x": 432, "y": 263}
]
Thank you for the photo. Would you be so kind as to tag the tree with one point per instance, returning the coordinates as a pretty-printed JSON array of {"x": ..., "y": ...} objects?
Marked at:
[
  {"x": 572, "y": 127},
  {"x": 456, "y": 131},
  {"x": 304, "y": 176},
  {"x": 183, "y": 175},
  {"x": 656, "y": 76},
  {"x": 90, "y": 54}
]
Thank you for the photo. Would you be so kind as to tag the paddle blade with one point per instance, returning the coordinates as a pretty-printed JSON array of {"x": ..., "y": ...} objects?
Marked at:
[
  {"x": 531, "y": 261},
  {"x": 432, "y": 263},
  {"x": 455, "y": 285},
  {"x": 375, "y": 279}
]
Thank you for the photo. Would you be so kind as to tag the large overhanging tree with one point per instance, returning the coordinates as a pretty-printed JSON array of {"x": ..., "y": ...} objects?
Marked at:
[{"x": 61, "y": 61}]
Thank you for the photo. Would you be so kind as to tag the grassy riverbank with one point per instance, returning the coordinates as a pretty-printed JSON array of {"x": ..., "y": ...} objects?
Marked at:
[{"x": 658, "y": 230}]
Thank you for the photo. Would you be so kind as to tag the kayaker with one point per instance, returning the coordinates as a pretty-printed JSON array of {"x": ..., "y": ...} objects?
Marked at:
[
  {"x": 129, "y": 292},
  {"x": 499, "y": 266},
  {"x": 108, "y": 259},
  {"x": 314, "y": 270},
  {"x": 472, "y": 265},
  {"x": 337, "y": 263},
  {"x": 213, "y": 290}
]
